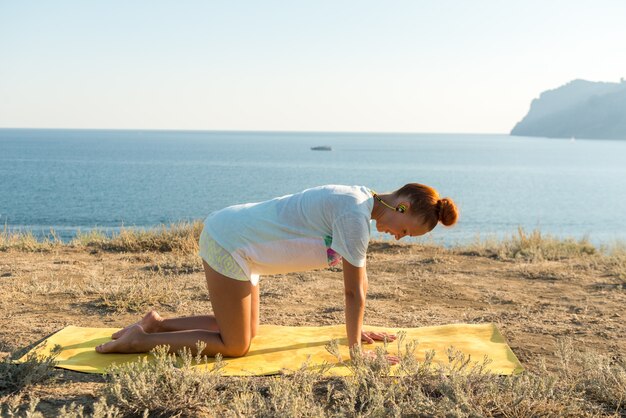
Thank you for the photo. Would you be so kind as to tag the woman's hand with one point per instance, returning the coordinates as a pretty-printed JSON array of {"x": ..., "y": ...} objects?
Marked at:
[{"x": 368, "y": 337}]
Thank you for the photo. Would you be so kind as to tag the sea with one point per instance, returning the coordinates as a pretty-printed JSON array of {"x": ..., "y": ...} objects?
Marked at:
[{"x": 68, "y": 181}]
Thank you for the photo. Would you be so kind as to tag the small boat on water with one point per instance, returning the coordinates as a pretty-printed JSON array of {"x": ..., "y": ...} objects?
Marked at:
[{"x": 322, "y": 148}]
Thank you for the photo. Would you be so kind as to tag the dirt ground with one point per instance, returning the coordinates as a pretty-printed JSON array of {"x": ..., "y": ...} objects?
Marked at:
[{"x": 534, "y": 304}]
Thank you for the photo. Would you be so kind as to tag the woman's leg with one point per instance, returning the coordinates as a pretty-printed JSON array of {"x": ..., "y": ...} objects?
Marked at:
[
  {"x": 153, "y": 322},
  {"x": 232, "y": 302}
]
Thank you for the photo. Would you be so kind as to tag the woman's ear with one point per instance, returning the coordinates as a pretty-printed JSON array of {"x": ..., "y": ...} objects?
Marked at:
[{"x": 403, "y": 207}]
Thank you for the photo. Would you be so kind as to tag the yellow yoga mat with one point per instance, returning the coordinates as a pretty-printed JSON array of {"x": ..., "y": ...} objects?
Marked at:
[{"x": 279, "y": 348}]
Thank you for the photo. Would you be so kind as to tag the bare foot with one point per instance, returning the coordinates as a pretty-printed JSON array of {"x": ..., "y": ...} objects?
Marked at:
[
  {"x": 149, "y": 323},
  {"x": 129, "y": 342}
]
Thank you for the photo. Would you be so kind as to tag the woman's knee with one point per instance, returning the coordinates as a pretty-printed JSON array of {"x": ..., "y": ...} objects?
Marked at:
[{"x": 236, "y": 350}]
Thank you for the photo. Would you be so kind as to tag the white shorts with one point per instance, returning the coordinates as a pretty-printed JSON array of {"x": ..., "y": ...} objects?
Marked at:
[{"x": 219, "y": 259}]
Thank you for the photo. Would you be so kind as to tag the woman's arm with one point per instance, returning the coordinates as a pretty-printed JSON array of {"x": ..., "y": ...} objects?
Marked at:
[{"x": 355, "y": 290}]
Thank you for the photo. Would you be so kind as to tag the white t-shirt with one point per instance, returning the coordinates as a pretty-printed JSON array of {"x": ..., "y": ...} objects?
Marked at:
[{"x": 298, "y": 232}]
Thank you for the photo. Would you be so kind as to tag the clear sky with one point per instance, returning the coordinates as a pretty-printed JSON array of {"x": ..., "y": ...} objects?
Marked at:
[{"x": 317, "y": 65}]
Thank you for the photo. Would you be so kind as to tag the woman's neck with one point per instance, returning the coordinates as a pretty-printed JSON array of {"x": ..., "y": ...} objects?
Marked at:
[{"x": 379, "y": 208}]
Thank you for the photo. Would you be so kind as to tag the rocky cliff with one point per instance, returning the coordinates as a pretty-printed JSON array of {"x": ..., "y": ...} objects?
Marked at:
[{"x": 579, "y": 109}]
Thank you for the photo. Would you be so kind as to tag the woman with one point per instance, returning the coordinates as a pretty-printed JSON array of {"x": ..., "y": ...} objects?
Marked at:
[{"x": 312, "y": 229}]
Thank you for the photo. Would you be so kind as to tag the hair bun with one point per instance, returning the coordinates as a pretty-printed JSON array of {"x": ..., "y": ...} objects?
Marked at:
[{"x": 448, "y": 213}]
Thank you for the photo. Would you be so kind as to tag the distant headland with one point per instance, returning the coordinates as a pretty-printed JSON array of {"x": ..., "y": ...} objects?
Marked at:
[{"x": 579, "y": 109}]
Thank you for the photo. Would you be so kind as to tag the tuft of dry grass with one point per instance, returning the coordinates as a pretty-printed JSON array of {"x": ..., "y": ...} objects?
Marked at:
[
  {"x": 27, "y": 242},
  {"x": 615, "y": 266},
  {"x": 17, "y": 377},
  {"x": 598, "y": 377},
  {"x": 137, "y": 293},
  {"x": 534, "y": 246},
  {"x": 181, "y": 237},
  {"x": 101, "y": 409},
  {"x": 178, "y": 265},
  {"x": 167, "y": 386},
  {"x": 93, "y": 237},
  {"x": 17, "y": 406}
]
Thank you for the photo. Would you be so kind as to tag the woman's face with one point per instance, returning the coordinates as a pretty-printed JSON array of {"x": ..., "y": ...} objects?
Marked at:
[{"x": 401, "y": 224}]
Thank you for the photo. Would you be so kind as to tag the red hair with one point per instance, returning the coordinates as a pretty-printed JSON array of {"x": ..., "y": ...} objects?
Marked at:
[{"x": 425, "y": 202}]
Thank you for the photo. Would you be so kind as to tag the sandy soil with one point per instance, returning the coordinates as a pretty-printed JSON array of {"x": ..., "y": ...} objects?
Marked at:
[{"x": 534, "y": 304}]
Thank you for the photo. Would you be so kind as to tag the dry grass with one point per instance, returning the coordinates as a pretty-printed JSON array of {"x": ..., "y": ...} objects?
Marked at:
[
  {"x": 137, "y": 293},
  {"x": 559, "y": 302},
  {"x": 16, "y": 380},
  {"x": 533, "y": 246},
  {"x": 26, "y": 241},
  {"x": 169, "y": 386},
  {"x": 20, "y": 406},
  {"x": 615, "y": 266},
  {"x": 182, "y": 237}
]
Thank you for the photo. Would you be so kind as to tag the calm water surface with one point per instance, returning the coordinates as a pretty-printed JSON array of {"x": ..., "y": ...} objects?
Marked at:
[{"x": 81, "y": 179}]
